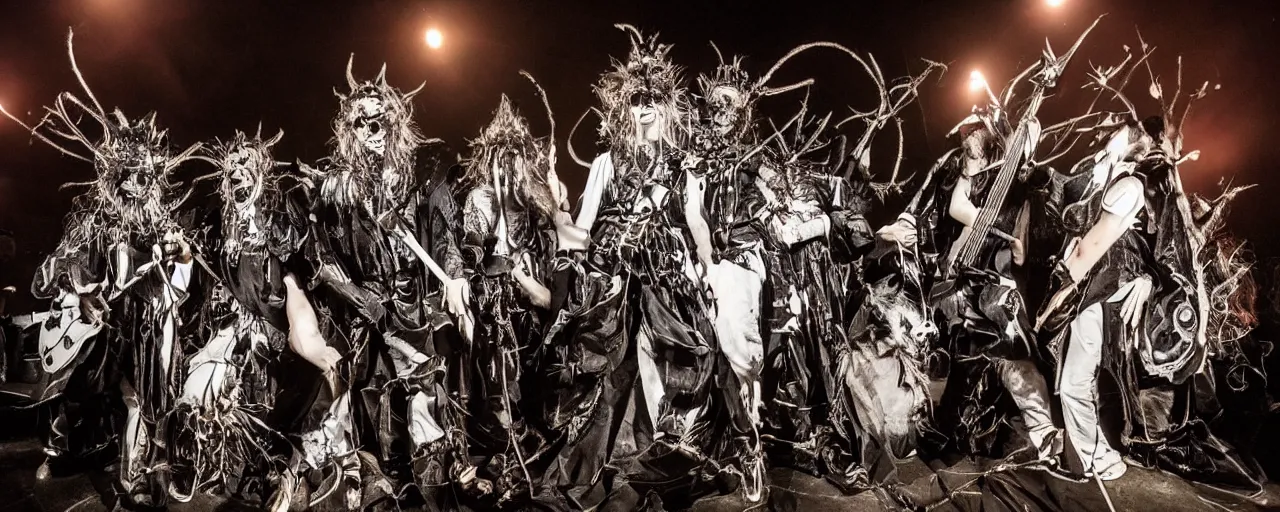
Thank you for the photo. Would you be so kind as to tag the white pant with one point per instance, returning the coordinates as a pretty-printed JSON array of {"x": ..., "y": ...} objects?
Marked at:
[
  {"x": 1079, "y": 388},
  {"x": 1027, "y": 386}
]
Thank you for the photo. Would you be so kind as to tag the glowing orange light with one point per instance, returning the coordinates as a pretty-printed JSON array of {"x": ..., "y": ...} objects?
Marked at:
[
  {"x": 976, "y": 81},
  {"x": 434, "y": 38},
  {"x": 1054, "y": 3}
]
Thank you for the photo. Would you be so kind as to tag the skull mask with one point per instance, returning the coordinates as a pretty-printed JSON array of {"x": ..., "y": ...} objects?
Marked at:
[{"x": 367, "y": 118}]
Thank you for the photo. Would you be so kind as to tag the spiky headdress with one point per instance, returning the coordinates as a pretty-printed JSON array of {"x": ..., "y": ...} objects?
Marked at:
[
  {"x": 221, "y": 153},
  {"x": 508, "y": 129},
  {"x": 647, "y": 72},
  {"x": 507, "y": 134},
  {"x": 893, "y": 99},
  {"x": 125, "y": 148},
  {"x": 726, "y": 74}
]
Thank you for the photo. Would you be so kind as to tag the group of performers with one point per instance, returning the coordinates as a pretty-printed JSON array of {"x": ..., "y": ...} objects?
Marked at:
[{"x": 390, "y": 326}]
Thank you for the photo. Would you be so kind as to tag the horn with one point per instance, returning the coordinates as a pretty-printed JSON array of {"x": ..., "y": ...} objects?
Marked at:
[
  {"x": 209, "y": 161},
  {"x": 1067, "y": 57},
  {"x": 719, "y": 56},
  {"x": 637, "y": 38},
  {"x": 279, "y": 135},
  {"x": 568, "y": 143},
  {"x": 772, "y": 91},
  {"x": 182, "y": 157},
  {"x": 258, "y": 135},
  {"x": 351, "y": 79},
  {"x": 97, "y": 116},
  {"x": 43, "y": 138},
  {"x": 382, "y": 75},
  {"x": 764, "y": 79},
  {"x": 61, "y": 113},
  {"x": 409, "y": 95}
]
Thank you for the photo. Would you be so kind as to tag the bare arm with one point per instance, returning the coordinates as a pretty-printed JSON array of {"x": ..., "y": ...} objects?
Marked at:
[
  {"x": 1020, "y": 228},
  {"x": 1024, "y": 223},
  {"x": 538, "y": 294},
  {"x": 1120, "y": 208},
  {"x": 593, "y": 194},
  {"x": 961, "y": 208},
  {"x": 305, "y": 338},
  {"x": 123, "y": 265}
]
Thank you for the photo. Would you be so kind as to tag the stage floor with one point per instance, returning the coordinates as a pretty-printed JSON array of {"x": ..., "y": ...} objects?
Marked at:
[{"x": 1140, "y": 489}]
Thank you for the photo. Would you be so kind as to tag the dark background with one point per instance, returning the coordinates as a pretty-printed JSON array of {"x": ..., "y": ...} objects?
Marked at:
[{"x": 209, "y": 68}]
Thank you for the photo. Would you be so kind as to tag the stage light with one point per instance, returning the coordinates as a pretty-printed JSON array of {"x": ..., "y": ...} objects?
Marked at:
[
  {"x": 1054, "y": 3},
  {"x": 434, "y": 38},
  {"x": 976, "y": 81}
]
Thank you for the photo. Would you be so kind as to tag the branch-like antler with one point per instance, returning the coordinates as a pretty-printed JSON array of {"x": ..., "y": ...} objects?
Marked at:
[
  {"x": 637, "y": 39},
  {"x": 719, "y": 56},
  {"x": 1214, "y": 218},
  {"x": 42, "y": 138},
  {"x": 182, "y": 157},
  {"x": 892, "y": 101},
  {"x": 80, "y": 77}
]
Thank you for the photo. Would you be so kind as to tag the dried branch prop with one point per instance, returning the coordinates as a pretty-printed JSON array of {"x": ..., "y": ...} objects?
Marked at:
[
  {"x": 1103, "y": 80},
  {"x": 893, "y": 99},
  {"x": 794, "y": 149},
  {"x": 553, "y": 179},
  {"x": 1210, "y": 267}
]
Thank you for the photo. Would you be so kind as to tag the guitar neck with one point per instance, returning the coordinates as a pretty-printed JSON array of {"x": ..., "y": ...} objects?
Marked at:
[{"x": 1015, "y": 148}]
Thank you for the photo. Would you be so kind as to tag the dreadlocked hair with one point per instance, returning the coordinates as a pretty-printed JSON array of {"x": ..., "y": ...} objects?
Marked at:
[{"x": 504, "y": 142}]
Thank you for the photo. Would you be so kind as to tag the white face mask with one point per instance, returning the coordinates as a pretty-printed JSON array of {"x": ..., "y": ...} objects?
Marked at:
[
  {"x": 368, "y": 124},
  {"x": 648, "y": 120},
  {"x": 725, "y": 109},
  {"x": 136, "y": 178}
]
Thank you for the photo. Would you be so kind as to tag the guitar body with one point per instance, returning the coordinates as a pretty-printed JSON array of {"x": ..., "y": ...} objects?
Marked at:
[
  {"x": 64, "y": 333},
  {"x": 1173, "y": 350}
]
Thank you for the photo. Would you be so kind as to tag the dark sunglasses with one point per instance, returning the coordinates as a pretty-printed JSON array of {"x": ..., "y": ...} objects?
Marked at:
[{"x": 646, "y": 98}]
